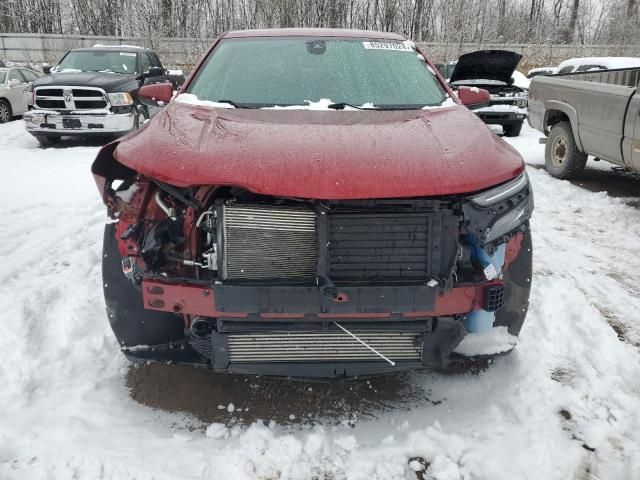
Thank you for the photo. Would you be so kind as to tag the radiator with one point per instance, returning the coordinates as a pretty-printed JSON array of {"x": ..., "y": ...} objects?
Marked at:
[
  {"x": 269, "y": 242},
  {"x": 323, "y": 346}
]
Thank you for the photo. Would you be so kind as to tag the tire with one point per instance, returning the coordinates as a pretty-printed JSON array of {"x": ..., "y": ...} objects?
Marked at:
[
  {"x": 47, "y": 141},
  {"x": 512, "y": 130},
  {"x": 131, "y": 323},
  {"x": 5, "y": 111},
  {"x": 562, "y": 157}
]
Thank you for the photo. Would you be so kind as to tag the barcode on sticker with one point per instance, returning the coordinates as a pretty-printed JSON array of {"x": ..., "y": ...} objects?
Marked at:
[{"x": 396, "y": 46}]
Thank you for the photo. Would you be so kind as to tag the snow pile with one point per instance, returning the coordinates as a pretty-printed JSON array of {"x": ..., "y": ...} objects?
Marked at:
[
  {"x": 498, "y": 340},
  {"x": 564, "y": 404}
]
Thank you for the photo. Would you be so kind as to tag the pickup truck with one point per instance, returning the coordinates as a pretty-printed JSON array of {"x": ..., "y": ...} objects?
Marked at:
[
  {"x": 314, "y": 202},
  {"x": 588, "y": 113},
  {"x": 93, "y": 92}
]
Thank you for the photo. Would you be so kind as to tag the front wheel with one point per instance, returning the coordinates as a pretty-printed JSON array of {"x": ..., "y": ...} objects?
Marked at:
[
  {"x": 562, "y": 157},
  {"x": 512, "y": 130},
  {"x": 5, "y": 111}
]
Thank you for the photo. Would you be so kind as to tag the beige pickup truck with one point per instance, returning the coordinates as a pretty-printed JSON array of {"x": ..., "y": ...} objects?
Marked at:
[{"x": 588, "y": 113}]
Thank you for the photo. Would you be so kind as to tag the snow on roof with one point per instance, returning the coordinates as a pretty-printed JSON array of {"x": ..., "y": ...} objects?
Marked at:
[
  {"x": 606, "y": 62},
  {"x": 99, "y": 45},
  {"x": 542, "y": 69}
]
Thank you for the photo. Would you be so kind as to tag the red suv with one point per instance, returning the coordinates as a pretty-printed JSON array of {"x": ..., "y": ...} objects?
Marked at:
[{"x": 314, "y": 202}]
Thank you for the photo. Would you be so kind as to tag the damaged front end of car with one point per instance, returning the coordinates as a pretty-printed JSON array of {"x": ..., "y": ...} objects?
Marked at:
[{"x": 250, "y": 283}]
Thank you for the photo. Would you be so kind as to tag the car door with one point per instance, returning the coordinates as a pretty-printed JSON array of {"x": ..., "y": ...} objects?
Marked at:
[{"x": 17, "y": 85}]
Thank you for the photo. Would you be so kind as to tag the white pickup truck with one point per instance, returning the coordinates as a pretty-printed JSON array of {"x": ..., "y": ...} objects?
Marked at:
[{"x": 589, "y": 113}]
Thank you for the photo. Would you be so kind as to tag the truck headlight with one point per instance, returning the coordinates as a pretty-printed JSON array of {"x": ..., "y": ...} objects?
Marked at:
[
  {"x": 496, "y": 212},
  {"x": 36, "y": 118},
  {"x": 120, "y": 99}
]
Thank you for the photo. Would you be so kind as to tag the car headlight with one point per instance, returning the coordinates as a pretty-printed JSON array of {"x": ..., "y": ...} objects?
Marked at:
[
  {"x": 504, "y": 191},
  {"x": 499, "y": 211},
  {"x": 120, "y": 99}
]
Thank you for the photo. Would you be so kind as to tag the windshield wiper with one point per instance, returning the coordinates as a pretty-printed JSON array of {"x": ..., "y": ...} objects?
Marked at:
[{"x": 343, "y": 105}]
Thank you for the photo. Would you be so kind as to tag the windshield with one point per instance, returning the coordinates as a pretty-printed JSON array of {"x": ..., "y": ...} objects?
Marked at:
[
  {"x": 3, "y": 74},
  {"x": 98, "y": 61},
  {"x": 255, "y": 73}
]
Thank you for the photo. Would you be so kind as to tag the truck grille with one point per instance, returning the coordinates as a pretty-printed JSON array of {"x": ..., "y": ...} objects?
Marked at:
[
  {"x": 70, "y": 98},
  {"x": 323, "y": 346},
  {"x": 265, "y": 242},
  {"x": 374, "y": 246}
]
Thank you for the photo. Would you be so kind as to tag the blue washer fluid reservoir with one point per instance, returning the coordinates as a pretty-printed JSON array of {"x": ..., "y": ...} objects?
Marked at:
[{"x": 481, "y": 321}]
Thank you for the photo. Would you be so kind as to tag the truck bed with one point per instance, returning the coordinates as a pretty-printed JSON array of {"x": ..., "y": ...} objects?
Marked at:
[{"x": 596, "y": 103}]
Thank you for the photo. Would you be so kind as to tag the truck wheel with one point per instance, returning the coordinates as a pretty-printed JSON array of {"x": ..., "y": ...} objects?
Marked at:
[
  {"x": 47, "y": 141},
  {"x": 561, "y": 156},
  {"x": 512, "y": 130},
  {"x": 5, "y": 111},
  {"x": 132, "y": 324}
]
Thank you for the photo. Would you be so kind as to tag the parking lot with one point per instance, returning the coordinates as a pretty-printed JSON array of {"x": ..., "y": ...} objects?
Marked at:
[{"x": 565, "y": 404}]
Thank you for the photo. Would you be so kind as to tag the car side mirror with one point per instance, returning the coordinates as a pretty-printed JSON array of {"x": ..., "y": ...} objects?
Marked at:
[
  {"x": 14, "y": 82},
  {"x": 46, "y": 68},
  {"x": 158, "y": 92},
  {"x": 474, "y": 97}
]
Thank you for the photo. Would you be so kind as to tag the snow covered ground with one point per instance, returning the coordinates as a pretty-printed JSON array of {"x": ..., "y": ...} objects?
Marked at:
[{"x": 564, "y": 405}]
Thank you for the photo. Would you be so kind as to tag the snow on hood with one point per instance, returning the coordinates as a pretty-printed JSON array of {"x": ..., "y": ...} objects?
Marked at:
[{"x": 324, "y": 154}]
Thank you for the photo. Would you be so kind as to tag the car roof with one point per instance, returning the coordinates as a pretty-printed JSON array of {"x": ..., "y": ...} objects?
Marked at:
[
  {"x": 112, "y": 48},
  {"x": 313, "y": 32}
]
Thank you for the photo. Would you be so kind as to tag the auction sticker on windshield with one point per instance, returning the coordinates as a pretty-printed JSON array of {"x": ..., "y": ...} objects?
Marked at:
[{"x": 400, "y": 47}]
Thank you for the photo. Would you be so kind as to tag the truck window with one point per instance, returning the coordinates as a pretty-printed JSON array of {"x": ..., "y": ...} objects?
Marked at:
[
  {"x": 567, "y": 69},
  {"x": 145, "y": 62},
  {"x": 155, "y": 62},
  {"x": 584, "y": 68},
  {"x": 98, "y": 61}
]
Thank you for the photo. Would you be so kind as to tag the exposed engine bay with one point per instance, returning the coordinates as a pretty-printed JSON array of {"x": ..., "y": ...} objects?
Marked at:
[{"x": 273, "y": 281}]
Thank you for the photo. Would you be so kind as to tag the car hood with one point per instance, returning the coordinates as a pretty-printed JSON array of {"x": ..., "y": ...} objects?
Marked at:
[
  {"x": 322, "y": 154},
  {"x": 497, "y": 65},
  {"x": 109, "y": 82}
]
